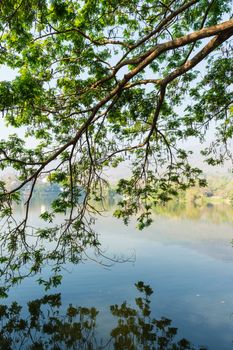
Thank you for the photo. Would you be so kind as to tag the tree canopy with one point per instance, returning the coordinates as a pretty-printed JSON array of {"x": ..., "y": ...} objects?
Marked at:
[{"x": 100, "y": 83}]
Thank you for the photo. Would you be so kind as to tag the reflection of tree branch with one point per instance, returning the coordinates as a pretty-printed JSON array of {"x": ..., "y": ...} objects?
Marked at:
[{"x": 46, "y": 326}]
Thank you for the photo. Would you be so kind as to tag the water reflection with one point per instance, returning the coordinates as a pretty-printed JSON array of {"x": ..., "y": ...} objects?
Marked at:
[
  {"x": 185, "y": 251},
  {"x": 212, "y": 212},
  {"x": 22, "y": 258},
  {"x": 47, "y": 327},
  {"x": 28, "y": 250},
  {"x": 215, "y": 212}
]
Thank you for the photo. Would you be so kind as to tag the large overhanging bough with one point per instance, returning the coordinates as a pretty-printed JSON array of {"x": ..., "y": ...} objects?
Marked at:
[{"x": 99, "y": 83}]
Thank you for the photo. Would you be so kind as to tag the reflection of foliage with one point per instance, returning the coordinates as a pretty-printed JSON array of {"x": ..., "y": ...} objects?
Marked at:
[
  {"x": 216, "y": 213},
  {"x": 46, "y": 328},
  {"x": 38, "y": 331},
  {"x": 136, "y": 329}
]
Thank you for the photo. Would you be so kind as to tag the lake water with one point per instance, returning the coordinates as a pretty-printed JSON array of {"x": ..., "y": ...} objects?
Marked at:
[{"x": 186, "y": 257}]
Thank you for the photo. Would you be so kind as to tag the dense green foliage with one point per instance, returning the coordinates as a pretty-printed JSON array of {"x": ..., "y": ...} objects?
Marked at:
[{"x": 99, "y": 83}]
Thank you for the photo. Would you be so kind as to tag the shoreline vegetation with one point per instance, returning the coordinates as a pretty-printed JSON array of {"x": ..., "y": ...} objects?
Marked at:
[
  {"x": 219, "y": 189},
  {"x": 213, "y": 203}
]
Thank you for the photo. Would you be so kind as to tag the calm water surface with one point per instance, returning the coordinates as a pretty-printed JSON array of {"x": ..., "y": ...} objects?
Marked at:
[{"x": 186, "y": 256}]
